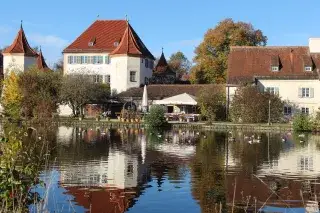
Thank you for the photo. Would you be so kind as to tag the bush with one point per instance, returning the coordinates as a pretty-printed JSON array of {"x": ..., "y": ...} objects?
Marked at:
[
  {"x": 212, "y": 103},
  {"x": 302, "y": 122},
  {"x": 155, "y": 118},
  {"x": 251, "y": 106}
]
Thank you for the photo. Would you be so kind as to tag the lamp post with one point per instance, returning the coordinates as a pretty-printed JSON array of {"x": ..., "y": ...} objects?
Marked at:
[{"x": 269, "y": 112}]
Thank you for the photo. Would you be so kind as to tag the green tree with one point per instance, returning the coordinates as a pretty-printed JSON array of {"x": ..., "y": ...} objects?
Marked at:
[
  {"x": 179, "y": 63},
  {"x": 212, "y": 103},
  {"x": 155, "y": 119},
  {"x": 12, "y": 95},
  {"x": 249, "y": 105},
  {"x": 212, "y": 54},
  {"x": 302, "y": 122}
]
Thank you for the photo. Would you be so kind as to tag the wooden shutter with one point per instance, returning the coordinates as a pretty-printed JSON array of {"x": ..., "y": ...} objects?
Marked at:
[
  {"x": 300, "y": 92},
  {"x": 311, "y": 92}
]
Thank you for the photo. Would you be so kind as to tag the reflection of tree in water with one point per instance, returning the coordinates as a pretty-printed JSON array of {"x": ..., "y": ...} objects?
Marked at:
[
  {"x": 251, "y": 156},
  {"x": 207, "y": 172}
]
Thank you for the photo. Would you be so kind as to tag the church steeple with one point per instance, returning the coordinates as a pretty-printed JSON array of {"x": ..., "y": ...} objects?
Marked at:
[
  {"x": 163, "y": 68},
  {"x": 21, "y": 45}
]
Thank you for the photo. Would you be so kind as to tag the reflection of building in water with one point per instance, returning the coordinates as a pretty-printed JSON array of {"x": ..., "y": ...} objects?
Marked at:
[
  {"x": 301, "y": 161},
  {"x": 117, "y": 170}
]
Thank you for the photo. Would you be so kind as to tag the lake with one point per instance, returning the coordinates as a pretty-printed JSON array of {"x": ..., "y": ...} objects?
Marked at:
[{"x": 131, "y": 170}]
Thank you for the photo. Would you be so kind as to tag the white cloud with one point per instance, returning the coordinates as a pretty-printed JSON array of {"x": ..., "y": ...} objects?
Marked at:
[
  {"x": 4, "y": 29},
  {"x": 48, "y": 40}
]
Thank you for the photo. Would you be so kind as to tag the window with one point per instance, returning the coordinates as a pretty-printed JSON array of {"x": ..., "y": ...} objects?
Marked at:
[
  {"x": 306, "y": 92},
  {"x": 94, "y": 59},
  {"x": 107, "y": 79},
  {"x": 305, "y": 163},
  {"x": 85, "y": 60},
  {"x": 106, "y": 59},
  {"x": 308, "y": 69},
  {"x": 133, "y": 76},
  {"x": 141, "y": 60},
  {"x": 78, "y": 59},
  {"x": 146, "y": 63},
  {"x": 272, "y": 90},
  {"x": 151, "y": 64},
  {"x": 274, "y": 68},
  {"x": 97, "y": 78},
  {"x": 70, "y": 59},
  {"x": 287, "y": 110},
  {"x": 305, "y": 110},
  {"x": 116, "y": 43}
]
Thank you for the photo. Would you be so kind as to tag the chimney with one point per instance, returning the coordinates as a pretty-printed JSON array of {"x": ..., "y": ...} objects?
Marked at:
[
  {"x": 314, "y": 45},
  {"x": 291, "y": 59}
]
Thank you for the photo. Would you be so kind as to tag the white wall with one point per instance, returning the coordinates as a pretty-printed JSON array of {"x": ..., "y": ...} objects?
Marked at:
[
  {"x": 118, "y": 69},
  {"x": 314, "y": 45},
  {"x": 289, "y": 91},
  {"x": 11, "y": 62},
  {"x": 17, "y": 62}
]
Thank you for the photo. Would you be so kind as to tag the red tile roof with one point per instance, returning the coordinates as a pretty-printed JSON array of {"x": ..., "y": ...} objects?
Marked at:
[
  {"x": 162, "y": 68},
  {"x": 245, "y": 63},
  {"x": 160, "y": 91},
  {"x": 21, "y": 45},
  {"x": 41, "y": 63},
  {"x": 105, "y": 34},
  {"x": 131, "y": 44}
]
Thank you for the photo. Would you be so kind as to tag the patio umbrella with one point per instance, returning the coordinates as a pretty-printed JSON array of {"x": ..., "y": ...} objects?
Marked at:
[{"x": 145, "y": 99}]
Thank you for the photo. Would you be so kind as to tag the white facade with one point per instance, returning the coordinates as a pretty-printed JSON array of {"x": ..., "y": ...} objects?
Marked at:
[
  {"x": 17, "y": 61},
  {"x": 290, "y": 91},
  {"x": 117, "y": 67}
]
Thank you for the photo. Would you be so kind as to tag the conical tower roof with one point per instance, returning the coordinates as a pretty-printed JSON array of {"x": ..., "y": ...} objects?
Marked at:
[
  {"x": 132, "y": 45},
  {"x": 41, "y": 63},
  {"x": 20, "y": 45},
  {"x": 163, "y": 67}
]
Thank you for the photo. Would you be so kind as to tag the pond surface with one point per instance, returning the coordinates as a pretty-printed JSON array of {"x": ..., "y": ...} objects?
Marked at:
[{"x": 116, "y": 171}]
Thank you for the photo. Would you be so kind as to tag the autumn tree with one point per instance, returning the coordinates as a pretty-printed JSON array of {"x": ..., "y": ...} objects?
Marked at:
[
  {"x": 212, "y": 54},
  {"x": 249, "y": 105},
  {"x": 12, "y": 96},
  {"x": 40, "y": 91},
  {"x": 179, "y": 63},
  {"x": 211, "y": 102}
]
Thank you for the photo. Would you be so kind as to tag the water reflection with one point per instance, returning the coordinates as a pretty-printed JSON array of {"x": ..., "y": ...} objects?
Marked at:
[{"x": 116, "y": 170}]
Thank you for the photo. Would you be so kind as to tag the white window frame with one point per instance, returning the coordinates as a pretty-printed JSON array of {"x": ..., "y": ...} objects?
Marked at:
[
  {"x": 97, "y": 79},
  {"x": 305, "y": 92},
  {"x": 274, "y": 68},
  {"x": 308, "y": 69},
  {"x": 133, "y": 73},
  {"x": 305, "y": 110},
  {"x": 107, "y": 79},
  {"x": 272, "y": 90},
  {"x": 107, "y": 59}
]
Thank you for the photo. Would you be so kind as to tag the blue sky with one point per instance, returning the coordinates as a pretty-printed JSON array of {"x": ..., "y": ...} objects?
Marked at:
[{"x": 172, "y": 24}]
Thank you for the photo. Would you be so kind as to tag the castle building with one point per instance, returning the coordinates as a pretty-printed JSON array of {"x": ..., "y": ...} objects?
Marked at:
[{"x": 110, "y": 51}]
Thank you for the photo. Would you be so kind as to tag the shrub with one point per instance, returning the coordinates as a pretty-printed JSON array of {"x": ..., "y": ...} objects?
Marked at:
[
  {"x": 155, "y": 118},
  {"x": 211, "y": 102},
  {"x": 251, "y": 106},
  {"x": 302, "y": 122}
]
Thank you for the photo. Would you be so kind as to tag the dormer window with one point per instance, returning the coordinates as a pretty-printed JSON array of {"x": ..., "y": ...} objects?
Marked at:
[
  {"x": 307, "y": 68},
  {"x": 274, "y": 68},
  {"x": 92, "y": 42},
  {"x": 116, "y": 43}
]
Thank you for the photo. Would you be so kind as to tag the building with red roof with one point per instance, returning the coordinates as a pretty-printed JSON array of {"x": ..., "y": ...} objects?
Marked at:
[
  {"x": 292, "y": 72},
  {"x": 19, "y": 55},
  {"x": 111, "y": 52}
]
